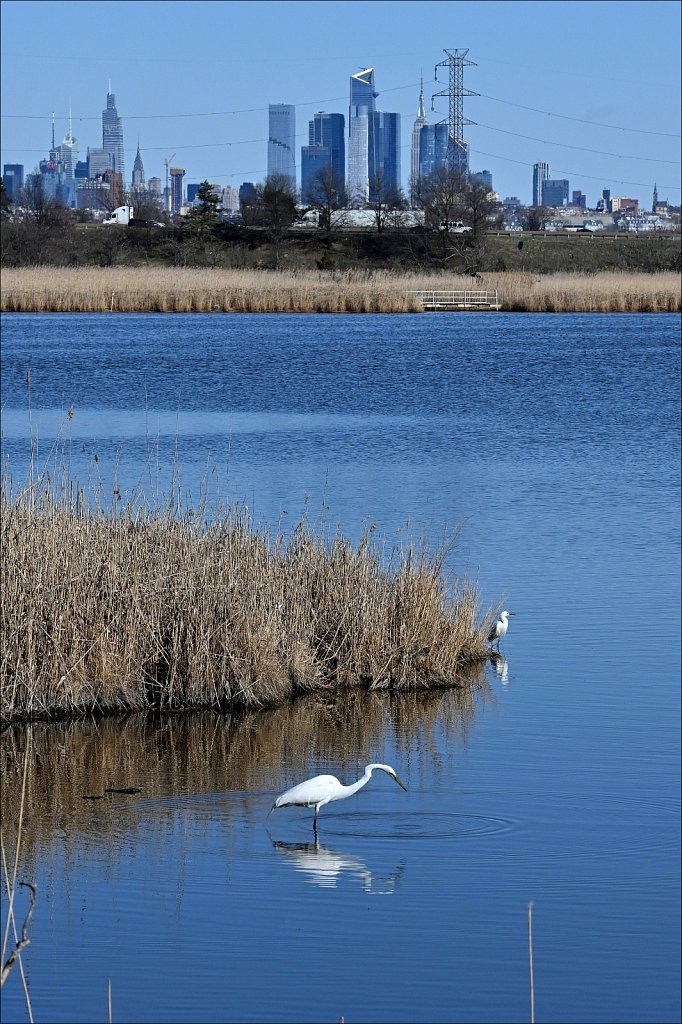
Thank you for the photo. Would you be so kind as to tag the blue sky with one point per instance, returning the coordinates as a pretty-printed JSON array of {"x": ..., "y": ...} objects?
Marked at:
[{"x": 195, "y": 80}]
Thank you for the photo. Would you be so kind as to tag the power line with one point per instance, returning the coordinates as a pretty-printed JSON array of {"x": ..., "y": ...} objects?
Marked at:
[
  {"x": 581, "y": 120},
  {"x": 583, "y": 149},
  {"x": 576, "y": 174}
]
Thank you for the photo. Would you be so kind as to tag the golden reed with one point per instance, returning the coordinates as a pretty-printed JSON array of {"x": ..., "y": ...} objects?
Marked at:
[
  {"x": 166, "y": 290},
  {"x": 137, "y": 608}
]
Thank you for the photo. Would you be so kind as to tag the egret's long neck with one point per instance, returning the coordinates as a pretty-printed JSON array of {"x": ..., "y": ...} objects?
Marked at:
[{"x": 362, "y": 781}]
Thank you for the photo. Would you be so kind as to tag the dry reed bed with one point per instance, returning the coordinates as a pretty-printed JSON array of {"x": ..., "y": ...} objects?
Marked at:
[
  {"x": 164, "y": 290},
  {"x": 122, "y": 611}
]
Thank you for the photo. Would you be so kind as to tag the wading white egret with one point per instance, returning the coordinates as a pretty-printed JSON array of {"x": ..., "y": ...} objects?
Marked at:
[
  {"x": 499, "y": 628},
  {"x": 323, "y": 789}
]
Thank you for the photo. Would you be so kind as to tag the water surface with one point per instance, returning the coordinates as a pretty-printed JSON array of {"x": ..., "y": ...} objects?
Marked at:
[{"x": 552, "y": 775}]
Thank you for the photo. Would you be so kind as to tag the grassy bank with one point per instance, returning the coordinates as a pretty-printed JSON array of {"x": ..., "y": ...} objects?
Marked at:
[
  {"x": 188, "y": 290},
  {"x": 109, "y": 611}
]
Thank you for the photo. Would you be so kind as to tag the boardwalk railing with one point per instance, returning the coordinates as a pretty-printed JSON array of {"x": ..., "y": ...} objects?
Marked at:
[{"x": 458, "y": 299}]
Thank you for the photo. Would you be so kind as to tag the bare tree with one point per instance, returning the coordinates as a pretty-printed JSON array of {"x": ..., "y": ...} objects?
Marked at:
[
  {"x": 535, "y": 217},
  {"x": 45, "y": 210},
  {"x": 384, "y": 200},
  {"x": 277, "y": 209},
  {"x": 457, "y": 212},
  {"x": 326, "y": 195}
]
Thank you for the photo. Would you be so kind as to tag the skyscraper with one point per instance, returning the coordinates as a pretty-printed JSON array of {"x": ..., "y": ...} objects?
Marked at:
[
  {"x": 416, "y": 130},
  {"x": 13, "y": 176},
  {"x": 373, "y": 142},
  {"x": 386, "y": 157},
  {"x": 555, "y": 192},
  {"x": 540, "y": 174},
  {"x": 282, "y": 141},
  {"x": 138, "y": 170},
  {"x": 361, "y": 136},
  {"x": 314, "y": 160},
  {"x": 68, "y": 152},
  {"x": 433, "y": 147},
  {"x": 176, "y": 176},
  {"x": 112, "y": 134},
  {"x": 329, "y": 130}
]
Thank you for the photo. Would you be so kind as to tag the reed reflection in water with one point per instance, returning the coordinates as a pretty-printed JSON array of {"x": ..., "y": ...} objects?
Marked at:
[{"x": 73, "y": 765}]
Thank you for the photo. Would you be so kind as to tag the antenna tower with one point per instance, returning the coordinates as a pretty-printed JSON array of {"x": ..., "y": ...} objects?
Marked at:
[{"x": 455, "y": 62}]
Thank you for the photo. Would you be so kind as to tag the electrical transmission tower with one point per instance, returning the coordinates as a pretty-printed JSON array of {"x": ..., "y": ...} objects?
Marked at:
[{"x": 457, "y": 147}]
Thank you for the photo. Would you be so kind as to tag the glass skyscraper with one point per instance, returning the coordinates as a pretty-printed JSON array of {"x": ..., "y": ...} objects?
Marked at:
[
  {"x": 373, "y": 142},
  {"x": 282, "y": 141},
  {"x": 330, "y": 130},
  {"x": 112, "y": 135},
  {"x": 386, "y": 156},
  {"x": 433, "y": 148},
  {"x": 540, "y": 175},
  {"x": 361, "y": 148}
]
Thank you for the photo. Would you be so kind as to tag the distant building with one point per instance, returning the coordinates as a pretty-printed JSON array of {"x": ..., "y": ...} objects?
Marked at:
[
  {"x": 282, "y": 141},
  {"x": 416, "y": 138},
  {"x": 387, "y": 159},
  {"x": 314, "y": 159},
  {"x": 13, "y": 177},
  {"x": 230, "y": 200},
  {"x": 540, "y": 175},
  {"x": 67, "y": 154},
  {"x": 248, "y": 196},
  {"x": 578, "y": 199},
  {"x": 191, "y": 192},
  {"x": 659, "y": 205},
  {"x": 115, "y": 181},
  {"x": 176, "y": 176},
  {"x": 93, "y": 194},
  {"x": 112, "y": 134},
  {"x": 99, "y": 162},
  {"x": 326, "y": 131},
  {"x": 81, "y": 170},
  {"x": 433, "y": 148},
  {"x": 484, "y": 178},
  {"x": 511, "y": 201},
  {"x": 154, "y": 185},
  {"x": 622, "y": 204},
  {"x": 361, "y": 135},
  {"x": 373, "y": 142},
  {"x": 138, "y": 170},
  {"x": 554, "y": 192}
]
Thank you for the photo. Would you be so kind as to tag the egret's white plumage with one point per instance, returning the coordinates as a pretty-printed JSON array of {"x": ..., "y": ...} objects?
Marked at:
[
  {"x": 323, "y": 789},
  {"x": 499, "y": 628}
]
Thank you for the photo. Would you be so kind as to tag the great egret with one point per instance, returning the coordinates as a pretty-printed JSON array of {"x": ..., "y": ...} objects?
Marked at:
[
  {"x": 499, "y": 628},
  {"x": 323, "y": 789}
]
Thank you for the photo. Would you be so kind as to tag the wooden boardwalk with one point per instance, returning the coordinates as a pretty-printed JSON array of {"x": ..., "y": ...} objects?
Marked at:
[{"x": 461, "y": 299}]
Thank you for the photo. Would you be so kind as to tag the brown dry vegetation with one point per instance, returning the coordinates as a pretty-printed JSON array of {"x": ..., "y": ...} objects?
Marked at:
[
  {"x": 186, "y": 290},
  {"x": 122, "y": 610}
]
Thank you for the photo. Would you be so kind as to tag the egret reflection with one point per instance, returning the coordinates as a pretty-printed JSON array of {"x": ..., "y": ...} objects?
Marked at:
[
  {"x": 323, "y": 866},
  {"x": 501, "y": 666}
]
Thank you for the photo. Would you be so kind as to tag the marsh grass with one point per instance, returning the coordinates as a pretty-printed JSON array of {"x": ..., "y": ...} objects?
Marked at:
[
  {"x": 190, "y": 290},
  {"x": 122, "y": 609}
]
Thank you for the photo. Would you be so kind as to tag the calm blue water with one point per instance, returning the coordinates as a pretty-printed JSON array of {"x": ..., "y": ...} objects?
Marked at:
[{"x": 554, "y": 441}]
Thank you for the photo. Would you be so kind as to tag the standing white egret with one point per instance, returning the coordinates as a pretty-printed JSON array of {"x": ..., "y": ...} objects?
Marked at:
[
  {"x": 499, "y": 628},
  {"x": 323, "y": 789}
]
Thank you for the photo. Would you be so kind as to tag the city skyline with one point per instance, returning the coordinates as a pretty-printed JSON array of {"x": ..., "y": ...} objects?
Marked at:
[{"x": 534, "y": 104}]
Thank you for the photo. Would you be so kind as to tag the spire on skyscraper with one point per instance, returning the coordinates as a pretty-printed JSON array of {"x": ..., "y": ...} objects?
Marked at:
[{"x": 421, "y": 115}]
